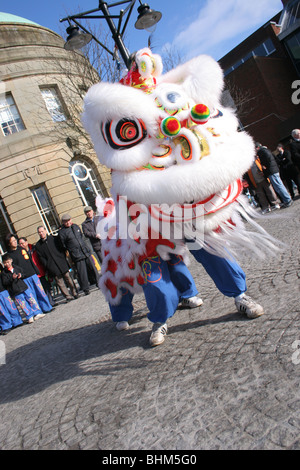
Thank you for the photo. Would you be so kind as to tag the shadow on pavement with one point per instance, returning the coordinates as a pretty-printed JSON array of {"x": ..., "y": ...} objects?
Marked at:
[{"x": 98, "y": 350}]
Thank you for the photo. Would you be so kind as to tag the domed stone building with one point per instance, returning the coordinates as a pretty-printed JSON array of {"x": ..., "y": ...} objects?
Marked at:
[{"x": 48, "y": 166}]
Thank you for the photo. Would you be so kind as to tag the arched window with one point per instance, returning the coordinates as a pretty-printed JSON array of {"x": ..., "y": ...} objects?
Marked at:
[{"x": 86, "y": 182}]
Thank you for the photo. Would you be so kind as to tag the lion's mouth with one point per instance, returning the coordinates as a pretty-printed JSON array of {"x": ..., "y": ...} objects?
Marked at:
[
  {"x": 190, "y": 146},
  {"x": 193, "y": 210}
]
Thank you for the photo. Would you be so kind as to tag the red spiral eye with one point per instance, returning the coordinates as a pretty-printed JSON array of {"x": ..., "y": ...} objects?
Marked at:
[
  {"x": 128, "y": 131},
  {"x": 124, "y": 134}
]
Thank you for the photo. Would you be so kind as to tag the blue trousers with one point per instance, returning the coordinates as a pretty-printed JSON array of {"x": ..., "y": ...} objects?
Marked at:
[
  {"x": 227, "y": 275},
  {"x": 28, "y": 303},
  {"x": 9, "y": 314},
  {"x": 279, "y": 187},
  {"x": 38, "y": 292},
  {"x": 168, "y": 282}
]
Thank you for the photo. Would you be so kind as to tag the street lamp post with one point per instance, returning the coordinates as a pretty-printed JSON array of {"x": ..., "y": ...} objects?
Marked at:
[{"x": 79, "y": 36}]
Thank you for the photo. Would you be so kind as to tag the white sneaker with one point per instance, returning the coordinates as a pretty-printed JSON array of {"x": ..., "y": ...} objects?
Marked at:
[
  {"x": 249, "y": 307},
  {"x": 159, "y": 331},
  {"x": 266, "y": 211},
  {"x": 192, "y": 302},
  {"x": 31, "y": 320},
  {"x": 122, "y": 325},
  {"x": 39, "y": 315}
]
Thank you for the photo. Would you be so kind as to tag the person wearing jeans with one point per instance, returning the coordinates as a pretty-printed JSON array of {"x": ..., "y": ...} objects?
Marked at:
[{"x": 271, "y": 172}]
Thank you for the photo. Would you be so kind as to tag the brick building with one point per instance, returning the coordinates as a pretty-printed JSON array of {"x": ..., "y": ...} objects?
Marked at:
[
  {"x": 48, "y": 166},
  {"x": 260, "y": 73}
]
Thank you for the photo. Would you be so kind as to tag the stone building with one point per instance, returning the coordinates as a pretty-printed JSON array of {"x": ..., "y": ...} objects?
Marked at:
[{"x": 48, "y": 166}]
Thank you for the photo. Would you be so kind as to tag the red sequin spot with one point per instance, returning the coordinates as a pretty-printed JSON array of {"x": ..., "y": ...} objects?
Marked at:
[
  {"x": 112, "y": 266},
  {"x": 131, "y": 265},
  {"x": 112, "y": 288}
]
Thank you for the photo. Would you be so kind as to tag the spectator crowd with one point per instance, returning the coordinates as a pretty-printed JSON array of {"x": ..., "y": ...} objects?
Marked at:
[
  {"x": 31, "y": 274},
  {"x": 274, "y": 177}
]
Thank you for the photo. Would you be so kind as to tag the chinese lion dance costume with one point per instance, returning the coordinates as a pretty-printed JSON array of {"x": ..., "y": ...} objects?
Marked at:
[{"x": 170, "y": 145}]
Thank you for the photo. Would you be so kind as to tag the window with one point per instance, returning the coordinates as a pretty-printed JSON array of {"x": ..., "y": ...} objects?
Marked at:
[
  {"x": 46, "y": 209},
  {"x": 10, "y": 119},
  {"x": 293, "y": 44},
  {"x": 269, "y": 46},
  {"x": 237, "y": 64},
  {"x": 86, "y": 182},
  {"x": 53, "y": 104},
  {"x": 263, "y": 50},
  {"x": 5, "y": 226}
]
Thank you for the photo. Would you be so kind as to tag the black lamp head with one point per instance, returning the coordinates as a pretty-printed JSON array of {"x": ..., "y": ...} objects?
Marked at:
[
  {"x": 147, "y": 18},
  {"x": 76, "y": 38}
]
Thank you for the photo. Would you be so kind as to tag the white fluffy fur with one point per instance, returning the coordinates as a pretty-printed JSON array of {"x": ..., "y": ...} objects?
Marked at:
[
  {"x": 230, "y": 155},
  {"x": 112, "y": 102},
  {"x": 201, "y": 78},
  {"x": 194, "y": 182}
]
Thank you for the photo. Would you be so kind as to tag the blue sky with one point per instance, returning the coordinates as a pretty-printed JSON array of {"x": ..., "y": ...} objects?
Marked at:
[{"x": 194, "y": 27}]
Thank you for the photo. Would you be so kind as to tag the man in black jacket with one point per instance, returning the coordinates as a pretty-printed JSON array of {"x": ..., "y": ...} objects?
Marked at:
[
  {"x": 271, "y": 171},
  {"x": 295, "y": 148},
  {"x": 288, "y": 171},
  {"x": 89, "y": 227},
  {"x": 72, "y": 240},
  {"x": 52, "y": 256}
]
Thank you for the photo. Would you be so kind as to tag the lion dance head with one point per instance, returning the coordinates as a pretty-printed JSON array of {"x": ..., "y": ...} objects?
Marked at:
[{"x": 169, "y": 142}]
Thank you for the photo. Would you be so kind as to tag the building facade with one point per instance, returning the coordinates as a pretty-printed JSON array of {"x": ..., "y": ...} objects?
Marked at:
[
  {"x": 48, "y": 166},
  {"x": 260, "y": 74}
]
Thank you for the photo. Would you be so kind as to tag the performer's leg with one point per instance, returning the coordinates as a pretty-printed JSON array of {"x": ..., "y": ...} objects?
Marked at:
[
  {"x": 181, "y": 277},
  {"x": 123, "y": 311},
  {"x": 184, "y": 282},
  {"x": 161, "y": 295},
  {"x": 230, "y": 279},
  {"x": 227, "y": 275}
]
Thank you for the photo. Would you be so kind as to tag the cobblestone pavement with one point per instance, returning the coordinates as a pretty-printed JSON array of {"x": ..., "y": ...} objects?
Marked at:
[{"x": 220, "y": 381}]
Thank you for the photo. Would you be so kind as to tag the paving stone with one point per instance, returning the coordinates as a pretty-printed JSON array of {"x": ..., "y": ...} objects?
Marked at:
[{"x": 220, "y": 381}]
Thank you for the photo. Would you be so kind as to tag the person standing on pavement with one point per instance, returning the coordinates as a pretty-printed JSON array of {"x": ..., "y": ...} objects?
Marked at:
[
  {"x": 265, "y": 193},
  {"x": 23, "y": 243},
  {"x": 9, "y": 314},
  {"x": 271, "y": 171},
  {"x": 22, "y": 259},
  {"x": 51, "y": 253},
  {"x": 13, "y": 280},
  {"x": 73, "y": 241},
  {"x": 288, "y": 171},
  {"x": 89, "y": 227},
  {"x": 295, "y": 148}
]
